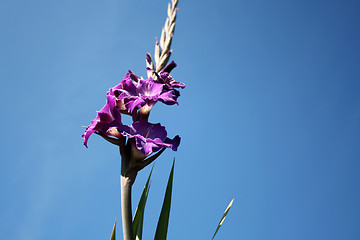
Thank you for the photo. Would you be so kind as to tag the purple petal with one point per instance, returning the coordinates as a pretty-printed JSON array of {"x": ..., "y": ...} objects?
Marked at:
[
  {"x": 108, "y": 116},
  {"x": 149, "y": 130},
  {"x": 149, "y": 88},
  {"x": 175, "y": 142},
  {"x": 134, "y": 104},
  {"x": 168, "y": 98},
  {"x": 149, "y": 138},
  {"x": 133, "y": 76}
]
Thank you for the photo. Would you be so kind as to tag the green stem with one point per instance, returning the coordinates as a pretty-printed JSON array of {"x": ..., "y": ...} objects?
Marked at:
[
  {"x": 128, "y": 176},
  {"x": 126, "y": 210}
]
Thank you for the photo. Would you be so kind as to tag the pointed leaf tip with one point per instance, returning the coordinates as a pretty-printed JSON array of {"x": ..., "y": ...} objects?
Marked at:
[
  {"x": 223, "y": 218},
  {"x": 113, "y": 232}
]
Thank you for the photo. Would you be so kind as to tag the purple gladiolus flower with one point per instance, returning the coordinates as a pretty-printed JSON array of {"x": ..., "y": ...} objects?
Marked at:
[
  {"x": 133, "y": 93},
  {"x": 149, "y": 138},
  {"x": 109, "y": 116}
]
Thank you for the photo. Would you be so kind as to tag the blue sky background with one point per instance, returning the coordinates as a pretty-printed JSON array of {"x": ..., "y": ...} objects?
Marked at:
[{"x": 270, "y": 116}]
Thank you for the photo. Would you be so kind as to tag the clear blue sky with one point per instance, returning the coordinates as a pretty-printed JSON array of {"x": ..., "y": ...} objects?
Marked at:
[{"x": 270, "y": 116}]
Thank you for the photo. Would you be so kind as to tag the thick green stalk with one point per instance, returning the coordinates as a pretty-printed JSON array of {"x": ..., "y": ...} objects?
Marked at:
[
  {"x": 126, "y": 210},
  {"x": 127, "y": 180}
]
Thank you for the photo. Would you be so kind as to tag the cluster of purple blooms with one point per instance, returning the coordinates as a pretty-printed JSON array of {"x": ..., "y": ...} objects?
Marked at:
[{"x": 135, "y": 97}]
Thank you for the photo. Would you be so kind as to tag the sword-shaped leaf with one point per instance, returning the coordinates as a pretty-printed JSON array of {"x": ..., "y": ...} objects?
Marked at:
[
  {"x": 162, "y": 227},
  {"x": 139, "y": 213}
]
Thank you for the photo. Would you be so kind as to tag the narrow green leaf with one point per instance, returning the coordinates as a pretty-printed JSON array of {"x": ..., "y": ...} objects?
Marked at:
[
  {"x": 162, "y": 227},
  {"x": 139, "y": 213},
  {"x": 139, "y": 233},
  {"x": 113, "y": 232},
  {"x": 223, "y": 218}
]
